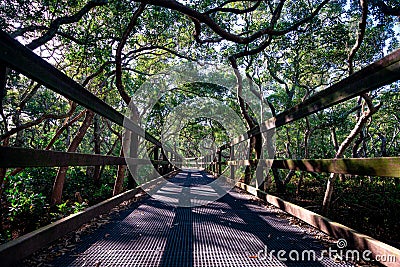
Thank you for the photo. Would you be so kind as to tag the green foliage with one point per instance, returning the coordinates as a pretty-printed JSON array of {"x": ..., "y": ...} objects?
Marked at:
[
  {"x": 27, "y": 198},
  {"x": 65, "y": 208},
  {"x": 77, "y": 207},
  {"x": 24, "y": 204},
  {"x": 105, "y": 191},
  {"x": 24, "y": 201}
]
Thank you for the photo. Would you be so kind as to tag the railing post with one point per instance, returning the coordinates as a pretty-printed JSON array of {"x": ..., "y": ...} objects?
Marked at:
[
  {"x": 213, "y": 163},
  {"x": 162, "y": 157},
  {"x": 179, "y": 163},
  {"x": 216, "y": 162},
  {"x": 232, "y": 158},
  {"x": 170, "y": 162},
  {"x": 167, "y": 166},
  {"x": 219, "y": 161},
  {"x": 259, "y": 175},
  {"x": 155, "y": 158},
  {"x": 171, "y": 159},
  {"x": 133, "y": 153}
]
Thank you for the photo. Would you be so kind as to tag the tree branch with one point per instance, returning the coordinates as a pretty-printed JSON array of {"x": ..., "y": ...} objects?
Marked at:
[
  {"x": 199, "y": 17},
  {"x": 118, "y": 55},
  {"x": 36, "y": 122},
  {"x": 233, "y": 10},
  {"x": 55, "y": 24},
  {"x": 360, "y": 36},
  {"x": 155, "y": 47}
]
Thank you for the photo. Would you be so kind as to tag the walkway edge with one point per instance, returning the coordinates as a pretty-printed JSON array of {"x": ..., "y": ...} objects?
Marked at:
[
  {"x": 14, "y": 251},
  {"x": 354, "y": 239}
]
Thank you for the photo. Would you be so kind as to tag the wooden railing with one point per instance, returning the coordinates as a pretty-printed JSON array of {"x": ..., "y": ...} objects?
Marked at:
[
  {"x": 15, "y": 56},
  {"x": 380, "y": 73}
]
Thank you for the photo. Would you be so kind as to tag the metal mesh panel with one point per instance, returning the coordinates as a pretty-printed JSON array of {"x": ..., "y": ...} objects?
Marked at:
[{"x": 227, "y": 232}]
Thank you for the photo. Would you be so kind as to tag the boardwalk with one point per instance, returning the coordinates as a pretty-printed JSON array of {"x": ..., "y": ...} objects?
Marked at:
[{"x": 227, "y": 232}]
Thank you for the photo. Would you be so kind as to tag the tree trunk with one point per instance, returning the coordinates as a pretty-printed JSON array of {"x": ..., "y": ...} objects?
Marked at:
[
  {"x": 346, "y": 143},
  {"x": 307, "y": 135},
  {"x": 362, "y": 120},
  {"x": 336, "y": 146},
  {"x": 19, "y": 139},
  {"x": 156, "y": 169},
  {"x": 383, "y": 145},
  {"x": 248, "y": 169},
  {"x": 132, "y": 176},
  {"x": 334, "y": 139},
  {"x": 119, "y": 181},
  {"x": 280, "y": 187},
  {"x": 127, "y": 99},
  {"x": 97, "y": 149},
  {"x": 360, "y": 35},
  {"x": 110, "y": 153},
  {"x": 256, "y": 141},
  {"x": 133, "y": 148},
  {"x": 164, "y": 166},
  {"x": 62, "y": 171}
]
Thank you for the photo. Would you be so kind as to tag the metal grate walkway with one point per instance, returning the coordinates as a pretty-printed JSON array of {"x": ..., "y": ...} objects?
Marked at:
[{"x": 228, "y": 232}]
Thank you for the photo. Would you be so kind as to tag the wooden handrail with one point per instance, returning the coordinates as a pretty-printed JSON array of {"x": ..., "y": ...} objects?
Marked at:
[
  {"x": 20, "y": 58},
  {"x": 11, "y": 157},
  {"x": 380, "y": 73},
  {"x": 385, "y": 167}
]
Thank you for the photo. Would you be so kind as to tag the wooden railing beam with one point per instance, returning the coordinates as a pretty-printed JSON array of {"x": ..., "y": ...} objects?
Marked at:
[
  {"x": 380, "y": 73},
  {"x": 385, "y": 166},
  {"x": 12, "y": 157},
  {"x": 21, "y": 59}
]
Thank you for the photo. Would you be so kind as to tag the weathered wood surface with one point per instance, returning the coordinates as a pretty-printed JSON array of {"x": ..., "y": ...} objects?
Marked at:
[
  {"x": 353, "y": 238},
  {"x": 385, "y": 167},
  {"x": 12, "y": 157},
  {"x": 380, "y": 73},
  {"x": 20, "y": 58}
]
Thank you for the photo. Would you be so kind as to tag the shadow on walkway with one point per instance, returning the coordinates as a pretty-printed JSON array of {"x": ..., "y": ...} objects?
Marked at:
[{"x": 228, "y": 232}]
